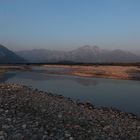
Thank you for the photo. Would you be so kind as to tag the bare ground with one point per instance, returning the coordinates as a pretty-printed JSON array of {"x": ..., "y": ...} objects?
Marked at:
[{"x": 115, "y": 72}]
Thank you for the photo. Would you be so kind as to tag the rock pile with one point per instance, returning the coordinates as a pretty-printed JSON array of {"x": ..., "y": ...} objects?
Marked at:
[{"x": 27, "y": 114}]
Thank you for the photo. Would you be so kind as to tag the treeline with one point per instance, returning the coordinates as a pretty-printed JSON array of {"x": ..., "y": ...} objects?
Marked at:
[{"x": 83, "y": 64}]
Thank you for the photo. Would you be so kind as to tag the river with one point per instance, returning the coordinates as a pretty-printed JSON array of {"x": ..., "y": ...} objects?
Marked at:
[{"x": 121, "y": 94}]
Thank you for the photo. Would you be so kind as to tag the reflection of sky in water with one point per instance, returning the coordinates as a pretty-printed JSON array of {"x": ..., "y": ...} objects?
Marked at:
[
  {"x": 50, "y": 70},
  {"x": 123, "y": 94},
  {"x": 4, "y": 77},
  {"x": 43, "y": 77}
]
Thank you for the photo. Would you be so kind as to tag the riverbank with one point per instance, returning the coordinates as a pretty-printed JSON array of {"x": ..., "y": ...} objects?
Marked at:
[
  {"x": 12, "y": 67},
  {"x": 98, "y": 71},
  {"x": 31, "y": 114}
]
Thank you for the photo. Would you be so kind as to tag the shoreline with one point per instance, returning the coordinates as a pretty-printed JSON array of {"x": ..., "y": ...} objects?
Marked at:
[
  {"x": 4, "y": 68},
  {"x": 94, "y": 71},
  {"x": 31, "y": 114},
  {"x": 97, "y": 71}
]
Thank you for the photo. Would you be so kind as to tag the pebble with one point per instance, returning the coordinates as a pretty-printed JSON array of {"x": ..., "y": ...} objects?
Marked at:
[
  {"x": 59, "y": 116},
  {"x": 2, "y": 138},
  {"x": 1, "y": 133},
  {"x": 29, "y": 114},
  {"x": 24, "y": 126},
  {"x": 67, "y": 135},
  {"x": 71, "y": 138}
]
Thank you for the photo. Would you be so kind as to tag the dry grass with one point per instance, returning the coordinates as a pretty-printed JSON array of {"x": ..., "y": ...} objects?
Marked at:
[{"x": 117, "y": 72}]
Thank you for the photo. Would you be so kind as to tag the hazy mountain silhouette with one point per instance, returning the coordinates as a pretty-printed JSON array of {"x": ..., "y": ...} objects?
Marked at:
[
  {"x": 83, "y": 54},
  {"x": 7, "y": 56}
]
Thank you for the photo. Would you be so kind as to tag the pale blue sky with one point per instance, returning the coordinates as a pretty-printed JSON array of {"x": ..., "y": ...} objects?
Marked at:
[{"x": 68, "y": 24}]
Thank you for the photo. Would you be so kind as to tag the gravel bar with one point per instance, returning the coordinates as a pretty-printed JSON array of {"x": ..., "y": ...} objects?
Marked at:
[{"x": 28, "y": 114}]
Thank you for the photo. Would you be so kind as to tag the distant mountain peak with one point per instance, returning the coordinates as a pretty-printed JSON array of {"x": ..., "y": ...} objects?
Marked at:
[
  {"x": 2, "y": 47},
  {"x": 89, "y": 47},
  {"x": 86, "y": 54},
  {"x": 7, "y": 56}
]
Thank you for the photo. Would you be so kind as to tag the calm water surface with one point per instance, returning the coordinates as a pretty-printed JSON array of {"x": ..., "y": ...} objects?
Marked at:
[{"x": 123, "y": 94}]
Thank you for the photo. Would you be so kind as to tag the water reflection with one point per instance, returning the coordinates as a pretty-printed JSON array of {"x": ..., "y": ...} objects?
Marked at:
[
  {"x": 5, "y": 76},
  {"x": 50, "y": 70},
  {"x": 123, "y": 94},
  {"x": 43, "y": 76}
]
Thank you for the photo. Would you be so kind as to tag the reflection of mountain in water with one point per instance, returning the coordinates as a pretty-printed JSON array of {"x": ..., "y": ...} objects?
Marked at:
[
  {"x": 53, "y": 70},
  {"x": 5, "y": 76},
  {"x": 36, "y": 76}
]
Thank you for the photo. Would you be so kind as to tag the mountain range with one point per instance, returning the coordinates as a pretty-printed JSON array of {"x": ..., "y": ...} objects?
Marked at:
[
  {"x": 85, "y": 54},
  {"x": 7, "y": 56}
]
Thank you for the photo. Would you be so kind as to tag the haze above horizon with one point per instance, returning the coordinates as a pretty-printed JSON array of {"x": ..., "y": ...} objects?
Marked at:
[{"x": 68, "y": 24}]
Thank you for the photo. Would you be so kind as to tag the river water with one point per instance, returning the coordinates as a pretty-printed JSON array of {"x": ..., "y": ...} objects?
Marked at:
[{"x": 122, "y": 94}]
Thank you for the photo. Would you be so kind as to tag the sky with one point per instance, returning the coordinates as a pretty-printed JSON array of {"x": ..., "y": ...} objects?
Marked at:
[{"x": 68, "y": 24}]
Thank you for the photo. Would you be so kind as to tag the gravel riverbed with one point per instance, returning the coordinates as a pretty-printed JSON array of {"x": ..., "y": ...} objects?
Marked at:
[{"x": 27, "y": 114}]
